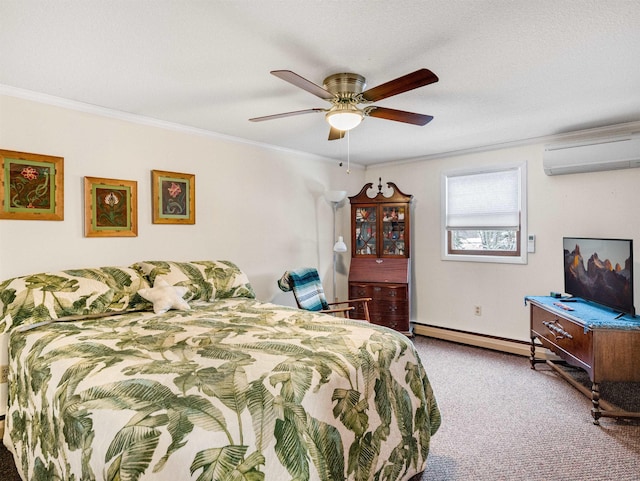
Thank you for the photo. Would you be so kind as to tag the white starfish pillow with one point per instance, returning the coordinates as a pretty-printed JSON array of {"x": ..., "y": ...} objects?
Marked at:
[{"x": 165, "y": 296}]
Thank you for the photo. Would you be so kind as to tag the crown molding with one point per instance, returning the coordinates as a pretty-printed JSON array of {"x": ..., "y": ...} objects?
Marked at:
[
  {"x": 149, "y": 121},
  {"x": 626, "y": 128}
]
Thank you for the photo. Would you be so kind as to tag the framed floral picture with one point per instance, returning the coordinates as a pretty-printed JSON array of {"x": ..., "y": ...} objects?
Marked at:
[
  {"x": 174, "y": 197},
  {"x": 31, "y": 186},
  {"x": 110, "y": 207}
]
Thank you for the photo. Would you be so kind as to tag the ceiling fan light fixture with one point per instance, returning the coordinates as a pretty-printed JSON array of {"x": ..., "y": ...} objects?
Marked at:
[
  {"x": 345, "y": 91},
  {"x": 344, "y": 118}
]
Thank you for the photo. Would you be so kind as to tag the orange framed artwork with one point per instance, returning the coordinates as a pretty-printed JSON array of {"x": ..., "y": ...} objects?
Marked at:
[
  {"x": 174, "y": 197},
  {"x": 31, "y": 186},
  {"x": 110, "y": 207}
]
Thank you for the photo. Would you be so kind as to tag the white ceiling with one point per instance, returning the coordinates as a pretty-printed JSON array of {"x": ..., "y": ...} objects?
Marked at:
[{"x": 509, "y": 69}]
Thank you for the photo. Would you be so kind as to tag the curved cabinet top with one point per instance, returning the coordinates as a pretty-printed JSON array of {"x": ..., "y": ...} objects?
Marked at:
[{"x": 396, "y": 196}]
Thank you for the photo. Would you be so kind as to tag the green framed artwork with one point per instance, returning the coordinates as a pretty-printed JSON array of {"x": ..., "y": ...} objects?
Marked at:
[
  {"x": 32, "y": 186},
  {"x": 174, "y": 197},
  {"x": 110, "y": 207}
]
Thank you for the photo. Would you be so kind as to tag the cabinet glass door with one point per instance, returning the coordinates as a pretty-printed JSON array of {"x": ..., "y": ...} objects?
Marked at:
[
  {"x": 365, "y": 231},
  {"x": 393, "y": 230}
]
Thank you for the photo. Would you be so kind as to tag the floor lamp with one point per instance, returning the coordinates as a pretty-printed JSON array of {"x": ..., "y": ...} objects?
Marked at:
[{"x": 335, "y": 197}]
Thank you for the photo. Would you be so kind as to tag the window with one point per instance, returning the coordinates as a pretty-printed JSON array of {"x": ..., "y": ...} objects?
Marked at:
[{"x": 484, "y": 214}]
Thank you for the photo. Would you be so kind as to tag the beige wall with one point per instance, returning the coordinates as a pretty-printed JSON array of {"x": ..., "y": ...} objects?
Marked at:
[
  {"x": 259, "y": 207},
  {"x": 602, "y": 204},
  {"x": 263, "y": 208}
]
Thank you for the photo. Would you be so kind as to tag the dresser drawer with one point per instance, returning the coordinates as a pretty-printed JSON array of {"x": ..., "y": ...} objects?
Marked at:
[
  {"x": 393, "y": 314},
  {"x": 359, "y": 290},
  {"x": 382, "y": 309},
  {"x": 565, "y": 337},
  {"x": 380, "y": 292},
  {"x": 399, "y": 323},
  {"x": 358, "y": 310},
  {"x": 389, "y": 292},
  {"x": 390, "y": 308}
]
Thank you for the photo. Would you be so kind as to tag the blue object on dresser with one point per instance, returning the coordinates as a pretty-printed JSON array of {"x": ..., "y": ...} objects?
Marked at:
[{"x": 590, "y": 314}]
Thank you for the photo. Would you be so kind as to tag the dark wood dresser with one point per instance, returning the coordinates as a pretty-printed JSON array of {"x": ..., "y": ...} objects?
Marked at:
[
  {"x": 583, "y": 335},
  {"x": 389, "y": 292}
]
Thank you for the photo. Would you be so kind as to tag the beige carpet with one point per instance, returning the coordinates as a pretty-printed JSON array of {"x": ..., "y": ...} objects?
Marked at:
[{"x": 502, "y": 421}]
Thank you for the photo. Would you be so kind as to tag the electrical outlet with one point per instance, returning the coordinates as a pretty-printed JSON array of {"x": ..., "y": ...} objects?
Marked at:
[{"x": 477, "y": 310}]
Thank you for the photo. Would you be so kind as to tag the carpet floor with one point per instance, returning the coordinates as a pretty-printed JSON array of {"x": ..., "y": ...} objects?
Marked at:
[{"x": 503, "y": 421}]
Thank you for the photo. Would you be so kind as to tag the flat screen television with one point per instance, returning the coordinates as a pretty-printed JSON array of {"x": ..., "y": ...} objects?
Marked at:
[{"x": 601, "y": 271}]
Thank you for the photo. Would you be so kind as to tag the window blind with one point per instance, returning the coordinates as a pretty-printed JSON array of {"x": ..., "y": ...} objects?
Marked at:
[{"x": 488, "y": 200}]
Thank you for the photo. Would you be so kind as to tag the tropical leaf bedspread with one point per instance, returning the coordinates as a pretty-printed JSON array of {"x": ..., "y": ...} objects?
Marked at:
[{"x": 230, "y": 390}]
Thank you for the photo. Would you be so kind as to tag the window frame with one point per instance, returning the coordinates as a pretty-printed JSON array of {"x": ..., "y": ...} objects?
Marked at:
[{"x": 516, "y": 257}]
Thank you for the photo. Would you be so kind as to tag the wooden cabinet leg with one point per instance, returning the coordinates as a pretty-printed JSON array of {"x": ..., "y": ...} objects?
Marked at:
[
  {"x": 532, "y": 357},
  {"x": 595, "y": 400}
]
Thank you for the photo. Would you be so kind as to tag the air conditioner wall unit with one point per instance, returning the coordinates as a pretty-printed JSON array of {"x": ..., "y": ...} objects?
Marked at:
[{"x": 592, "y": 155}]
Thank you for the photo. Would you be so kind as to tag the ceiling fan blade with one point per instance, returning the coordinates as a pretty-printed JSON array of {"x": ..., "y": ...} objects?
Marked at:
[
  {"x": 335, "y": 134},
  {"x": 411, "y": 81},
  {"x": 398, "y": 115},
  {"x": 286, "y": 114},
  {"x": 303, "y": 83}
]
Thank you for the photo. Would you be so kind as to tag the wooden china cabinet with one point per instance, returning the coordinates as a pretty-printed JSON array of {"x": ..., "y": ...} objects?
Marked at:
[{"x": 380, "y": 255}]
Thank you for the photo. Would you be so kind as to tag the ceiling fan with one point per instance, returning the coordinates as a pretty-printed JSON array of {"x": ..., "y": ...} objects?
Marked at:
[{"x": 345, "y": 92}]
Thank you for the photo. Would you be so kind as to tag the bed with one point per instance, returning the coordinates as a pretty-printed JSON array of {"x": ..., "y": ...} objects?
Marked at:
[{"x": 173, "y": 370}]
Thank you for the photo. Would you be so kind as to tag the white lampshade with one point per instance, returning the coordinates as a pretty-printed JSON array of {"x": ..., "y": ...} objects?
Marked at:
[
  {"x": 340, "y": 246},
  {"x": 335, "y": 195},
  {"x": 344, "y": 119}
]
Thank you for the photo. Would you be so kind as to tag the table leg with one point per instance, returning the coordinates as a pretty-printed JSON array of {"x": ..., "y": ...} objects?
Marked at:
[
  {"x": 532, "y": 357},
  {"x": 595, "y": 400}
]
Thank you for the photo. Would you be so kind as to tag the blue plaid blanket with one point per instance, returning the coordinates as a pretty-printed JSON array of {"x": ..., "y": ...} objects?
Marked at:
[{"x": 307, "y": 288}]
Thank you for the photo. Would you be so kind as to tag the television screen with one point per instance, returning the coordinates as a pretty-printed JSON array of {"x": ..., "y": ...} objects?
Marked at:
[{"x": 600, "y": 270}]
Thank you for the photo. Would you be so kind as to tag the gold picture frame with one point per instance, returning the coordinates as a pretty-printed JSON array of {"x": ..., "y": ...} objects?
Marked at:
[
  {"x": 31, "y": 186},
  {"x": 110, "y": 207},
  {"x": 174, "y": 197}
]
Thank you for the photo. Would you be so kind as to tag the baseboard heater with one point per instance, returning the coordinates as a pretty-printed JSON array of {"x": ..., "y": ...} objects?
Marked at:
[{"x": 521, "y": 348}]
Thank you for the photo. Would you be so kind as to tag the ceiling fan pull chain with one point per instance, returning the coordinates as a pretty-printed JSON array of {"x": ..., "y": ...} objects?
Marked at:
[{"x": 348, "y": 153}]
